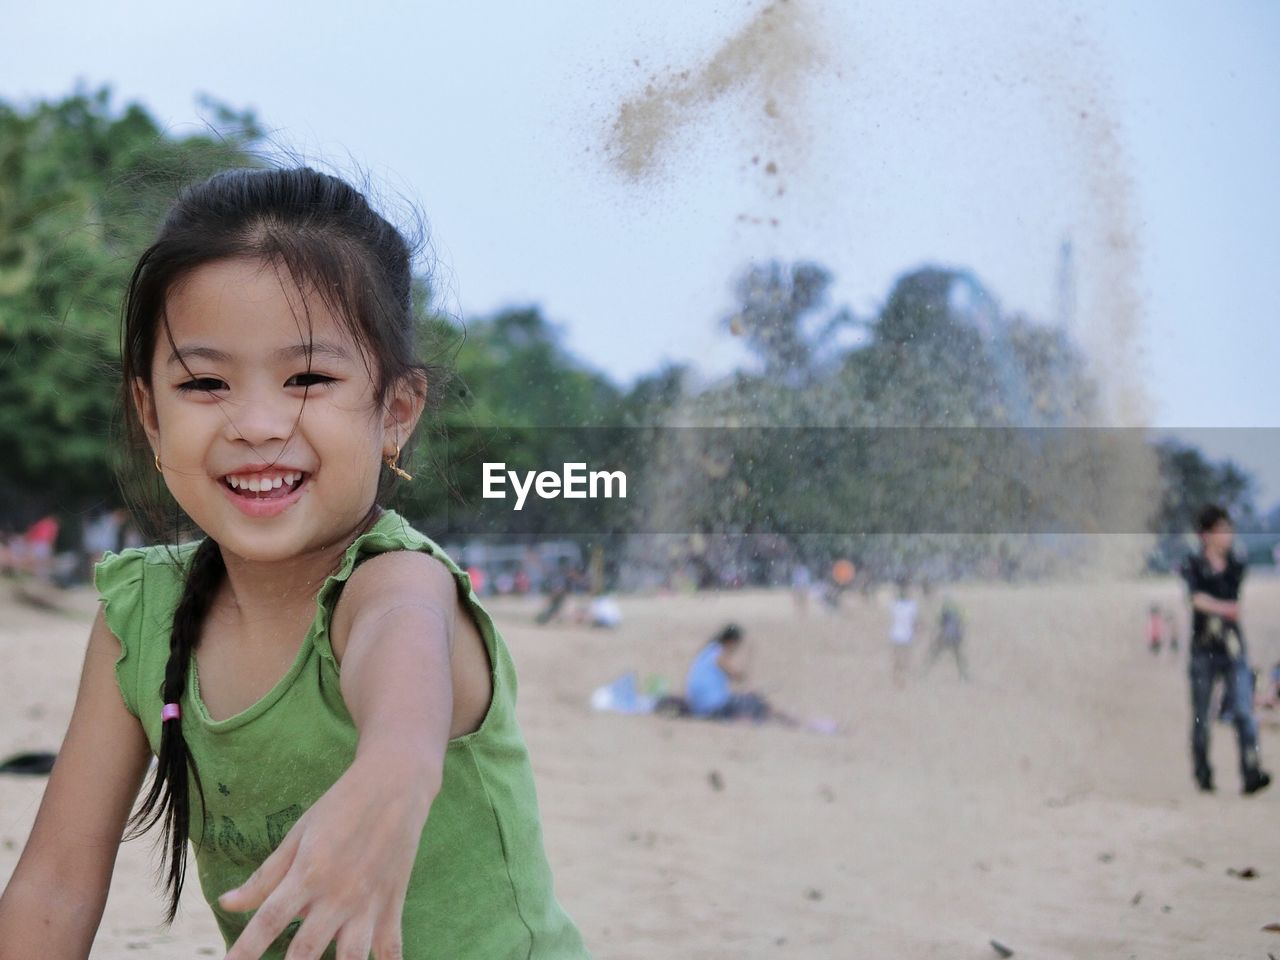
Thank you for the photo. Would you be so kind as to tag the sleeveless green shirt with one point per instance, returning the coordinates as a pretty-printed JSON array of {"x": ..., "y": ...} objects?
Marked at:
[{"x": 481, "y": 886}]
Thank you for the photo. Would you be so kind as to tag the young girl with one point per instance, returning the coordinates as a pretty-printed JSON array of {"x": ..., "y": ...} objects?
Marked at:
[{"x": 332, "y": 709}]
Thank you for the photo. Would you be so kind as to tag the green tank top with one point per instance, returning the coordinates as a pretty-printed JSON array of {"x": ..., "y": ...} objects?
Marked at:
[{"x": 481, "y": 886}]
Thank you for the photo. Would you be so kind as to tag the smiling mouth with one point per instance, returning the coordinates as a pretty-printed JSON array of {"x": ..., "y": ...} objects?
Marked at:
[{"x": 265, "y": 486}]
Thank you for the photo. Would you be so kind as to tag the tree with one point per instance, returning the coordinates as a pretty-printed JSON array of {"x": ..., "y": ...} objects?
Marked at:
[
  {"x": 82, "y": 188},
  {"x": 522, "y": 399},
  {"x": 1188, "y": 481},
  {"x": 778, "y": 315}
]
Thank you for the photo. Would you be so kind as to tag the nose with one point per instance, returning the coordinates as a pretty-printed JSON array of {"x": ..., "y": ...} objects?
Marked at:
[{"x": 262, "y": 417}]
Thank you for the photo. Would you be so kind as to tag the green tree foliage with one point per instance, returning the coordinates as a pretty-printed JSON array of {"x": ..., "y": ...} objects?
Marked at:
[
  {"x": 937, "y": 405},
  {"x": 782, "y": 318},
  {"x": 519, "y": 397},
  {"x": 82, "y": 187},
  {"x": 1188, "y": 481}
]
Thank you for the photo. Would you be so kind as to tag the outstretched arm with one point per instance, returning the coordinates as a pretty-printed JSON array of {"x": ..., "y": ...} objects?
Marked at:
[
  {"x": 411, "y": 679},
  {"x": 54, "y": 900}
]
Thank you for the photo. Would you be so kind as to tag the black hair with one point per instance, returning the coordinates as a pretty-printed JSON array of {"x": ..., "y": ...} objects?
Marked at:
[
  {"x": 729, "y": 633},
  {"x": 1210, "y": 516},
  {"x": 324, "y": 235}
]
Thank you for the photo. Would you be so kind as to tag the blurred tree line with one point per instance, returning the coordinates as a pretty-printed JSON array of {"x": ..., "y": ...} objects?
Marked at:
[{"x": 764, "y": 451}]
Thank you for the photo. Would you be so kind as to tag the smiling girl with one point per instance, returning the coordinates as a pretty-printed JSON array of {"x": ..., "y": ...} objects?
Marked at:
[{"x": 332, "y": 710}]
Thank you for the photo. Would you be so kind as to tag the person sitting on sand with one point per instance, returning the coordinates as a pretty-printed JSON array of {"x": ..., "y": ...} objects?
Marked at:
[{"x": 716, "y": 670}]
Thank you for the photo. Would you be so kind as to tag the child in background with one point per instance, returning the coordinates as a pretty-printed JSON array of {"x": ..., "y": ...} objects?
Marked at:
[
  {"x": 902, "y": 631},
  {"x": 1155, "y": 629},
  {"x": 331, "y": 706},
  {"x": 949, "y": 637}
]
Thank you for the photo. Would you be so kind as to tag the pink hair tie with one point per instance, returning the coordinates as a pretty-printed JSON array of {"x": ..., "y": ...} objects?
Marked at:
[{"x": 170, "y": 712}]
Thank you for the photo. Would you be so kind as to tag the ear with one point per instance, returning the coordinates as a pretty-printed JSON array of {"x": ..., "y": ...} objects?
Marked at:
[
  {"x": 402, "y": 409},
  {"x": 145, "y": 405}
]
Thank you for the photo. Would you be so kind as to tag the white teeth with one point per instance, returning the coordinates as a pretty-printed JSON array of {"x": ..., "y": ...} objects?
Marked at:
[{"x": 260, "y": 483}]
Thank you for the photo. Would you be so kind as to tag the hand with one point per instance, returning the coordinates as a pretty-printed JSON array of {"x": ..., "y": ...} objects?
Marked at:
[{"x": 344, "y": 868}]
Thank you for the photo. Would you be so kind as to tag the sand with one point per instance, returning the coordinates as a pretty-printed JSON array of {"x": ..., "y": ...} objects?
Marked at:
[{"x": 1048, "y": 804}]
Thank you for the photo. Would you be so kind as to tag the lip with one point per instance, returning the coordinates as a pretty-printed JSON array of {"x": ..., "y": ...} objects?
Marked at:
[{"x": 261, "y": 509}]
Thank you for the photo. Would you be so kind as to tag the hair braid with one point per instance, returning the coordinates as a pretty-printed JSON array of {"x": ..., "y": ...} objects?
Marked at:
[{"x": 169, "y": 796}]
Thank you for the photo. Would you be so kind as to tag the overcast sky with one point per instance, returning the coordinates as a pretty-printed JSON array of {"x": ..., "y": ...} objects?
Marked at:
[{"x": 978, "y": 135}]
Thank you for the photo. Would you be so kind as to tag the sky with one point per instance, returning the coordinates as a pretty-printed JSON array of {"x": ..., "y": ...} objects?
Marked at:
[{"x": 901, "y": 132}]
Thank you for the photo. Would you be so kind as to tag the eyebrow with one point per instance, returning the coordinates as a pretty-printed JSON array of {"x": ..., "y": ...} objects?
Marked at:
[{"x": 297, "y": 351}]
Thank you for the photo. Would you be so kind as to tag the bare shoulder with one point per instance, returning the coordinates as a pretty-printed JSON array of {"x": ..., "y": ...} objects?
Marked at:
[
  {"x": 407, "y": 578},
  {"x": 398, "y": 578},
  {"x": 400, "y": 573}
]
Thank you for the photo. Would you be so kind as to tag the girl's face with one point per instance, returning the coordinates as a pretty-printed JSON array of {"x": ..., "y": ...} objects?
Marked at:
[{"x": 265, "y": 474}]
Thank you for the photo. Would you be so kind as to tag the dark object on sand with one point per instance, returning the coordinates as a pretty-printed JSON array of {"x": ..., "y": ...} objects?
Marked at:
[
  {"x": 39, "y": 595},
  {"x": 1271, "y": 928},
  {"x": 672, "y": 706},
  {"x": 1248, "y": 873},
  {"x": 716, "y": 781},
  {"x": 34, "y": 764},
  {"x": 1001, "y": 949}
]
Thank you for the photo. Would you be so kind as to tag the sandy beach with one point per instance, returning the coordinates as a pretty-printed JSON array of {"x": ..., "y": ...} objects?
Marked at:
[{"x": 1048, "y": 804}]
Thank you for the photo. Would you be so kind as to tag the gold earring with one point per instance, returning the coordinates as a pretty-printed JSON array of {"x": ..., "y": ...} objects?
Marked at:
[
  {"x": 158, "y": 468},
  {"x": 393, "y": 462}
]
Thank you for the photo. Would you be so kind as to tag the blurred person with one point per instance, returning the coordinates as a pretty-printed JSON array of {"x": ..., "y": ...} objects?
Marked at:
[
  {"x": 1155, "y": 629},
  {"x": 37, "y": 546},
  {"x": 902, "y": 631},
  {"x": 604, "y": 612},
  {"x": 839, "y": 580},
  {"x": 715, "y": 681},
  {"x": 558, "y": 585},
  {"x": 801, "y": 586},
  {"x": 949, "y": 637},
  {"x": 1171, "y": 630},
  {"x": 102, "y": 535},
  {"x": 1214, "y": 576}
]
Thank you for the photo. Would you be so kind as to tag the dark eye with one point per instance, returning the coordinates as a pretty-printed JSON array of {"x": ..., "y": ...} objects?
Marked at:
[
  {"x": 201, "y": 385},
  {"x": 308, "y": 380}
]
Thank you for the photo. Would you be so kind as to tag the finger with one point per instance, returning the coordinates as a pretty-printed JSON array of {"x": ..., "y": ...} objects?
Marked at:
[
  {"x": 279, "y": 910},
  {"x": 355, "y": 940},
  {"x": 314, "y": 937},
  {"x": 388, "y": 941},
  {"x": 254, "y": 891}
]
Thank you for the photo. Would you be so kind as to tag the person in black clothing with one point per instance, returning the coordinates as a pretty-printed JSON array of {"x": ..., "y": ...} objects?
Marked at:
[{"x": 1213, "y": 579}]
